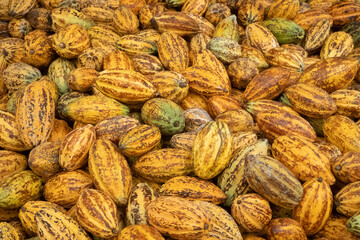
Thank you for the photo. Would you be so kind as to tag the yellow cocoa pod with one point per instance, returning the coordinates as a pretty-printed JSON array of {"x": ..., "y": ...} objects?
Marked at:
[
  {"x": 287, "y": 9},
  {"x": 20, "y": 74},
  {"x": 347, "y": 102},
  {"x": 81, "y": 79},
  {"x": 91, "y": 58},
  {"x": 219, "y": 104},
  {"x": 193, "y": 188},
  {"x": 67, "y": 15},
  {"x": 173, "y": 52},
  {"x": 260, "y": 37},
  {"x": 193, "y": 100},
  {"x": 251, "y": 211},
  {"x": 157, "y": 166},
  {"x": 147, "y": 64},
  {"x": 147, "y": 12},
  {"x": 212, "y": 149},
  {"x": 178, "y": 218},
  {"x": 106, "y": 164},
  {"x": 250, "y": 12},
  {"x": 241, "y": 72},
  {"x": 228, "y": 28},
  {"x": 345, "y": 167},
  {"x": 344, "y": 12},
  {"x": 135, "y": 44},
  {"x": 65, "y": 188},
  {"x": 74, "y": 148},
  {"x": 38, "y": 49},
  {"x": 183, "y": 141},
  {"x": 347, "y": 199},
  {"x": 217, "y": 12},
  {"x": 125, "y": 21},
  {"x": 284, "y": 228},
  {"x": 254, "y": 55},
  {"x": 281, "y": 57},
  {"x": 306, "y": 19},
  {"x": 237, "y": 120},
  {"x": 144, "y": 232},
  {"x": 119, "y": 60},
  {"x": 317, "y": 198},
  {"x": 343, "y": 133},
  {"x": 97, "y": 213},
  {"x": 10, "y": 163},
  {"x": 338, "y": 44}
]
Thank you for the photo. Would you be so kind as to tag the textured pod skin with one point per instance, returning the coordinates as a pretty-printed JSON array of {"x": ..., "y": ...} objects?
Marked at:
[
  {"x": 164, "y": 164},
  {"x": 204, "y": 25},
  {"x": 113, "y": 128},
  {"x": 243, "y": 139},
  {"x": 18, "y": 8},
  {"x": 81, "y": 79},
  {"x": 170, "y": 85},
  {"x": 104, "y": 34},
  {"x": 226, "y": 50},
  {"x": 8, "y": 231},
  {"x": 18, "y": 75},
  {"x": 57, "y": 72},
  {"x": 273, "y": 181},
  {"x": 237, "y": 120},
  {"x": 241, "y": 72},
  {"x": 67, "y": 15},
  {"x": 315, "y": 207},
  {"x": 173, "y": 52},
  {"x": 347, "y": 199},
  {"x": 196, "y": 7},
  {"x": 223, "y": 226},
  {"x": 339, "y": 73},
  {"x": 285, "y": 228},
  {"x": 164, "y": 114},
  {"x": 15, "y": 49},
  {"x": 346, "y": 167},
  {"x": 276, "y": 119},
  {"x": 193, "y": 100},
  {"x": 178, "y": 218},
  {"x": 338, "y": 44},
  {"x": 127, "y": 86},
  {"x": 302, "y": 158},
  {"x": 9, "y": 134},
  {"x": 308, "y": 100},
  {"x": 147, "y": 12},
  {"x": 287, "y": 9},
  {"x": 347, "y": 102},
  {"x": 353, "y": 224},
  {"x": 260, "y": 37},
  {"x": 125, "y": 21},
  {"x": 206, "y": 81},
  {"x": 328, "y": 149},
  {"x": 197, "y": 43},
  {"x": 317, "y": 34},
  {"x": 75, "y": 147},
  {"x": 119, "y": 60},
  {"x": 70, "y": 41},
  {"x": 343, "y": 133},
  {"x": 141, "y": 195},
  {"x": 44, "y": 160},
  {"x": 228, "y": 28},
  {"x": 35, "y": 114},
  {"x": 19, "y": 188},
  {"x": 139, "y": 140},
  {"x": 212, "y": 149},
  {"x": 10, "y": 163},
  {"x": 147, "y": 64},
  {"x": 220, "y": 104},
  {"x": 344, "y": 12},
  {"x": 134, "y": 44},
  {"x": 254, "y": 55},
  {"x": 28, "y": 211},
  {"x": 178, "y": 23},
  {"x": 91, "y": 57},
  {"x": 353, "y": 29},
  {"x": 183, "y": 141},
  {"x": 97, "y": 213},
  {"x": 9, "y": 214},
  {"x": 281, "y": 57},
  {"x": 40, "y": 18},
  {"x": 193, "y": 188},
  {"x": 98, "y": 14},
  {"x": 268, "y": 84},
  {"x": 65, "y": 100},
  {"x": 306, "y": 19},
  {"x": 285, "y": 31},
  {"x": 93, "y": 109},
  {"x": 217, "y": 12},
  {"x": 135, "y": 232},
  {"x": 250, "y": 12},
  {"x": 54, "y": 224},
  {"x": 251, "y": 211},
  {"x": 110, "y": 170},
  {"x": 335, "y": 228},
  {"x": 65, "y": 188}
]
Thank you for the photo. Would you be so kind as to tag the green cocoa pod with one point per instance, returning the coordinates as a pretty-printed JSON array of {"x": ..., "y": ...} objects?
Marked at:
[
  {"x": 353, "y": 224},
  {"x": 20, "y": 188},
  {"x": 226, "y": 50},
  {"x": 353, "y": 29},
  {"x": 58, "y": 70},
  {"x": 165, "y": 114},
  {"x": 285, "y": 31}
]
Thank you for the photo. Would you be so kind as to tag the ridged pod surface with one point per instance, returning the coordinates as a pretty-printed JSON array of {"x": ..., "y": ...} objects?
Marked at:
[
  {"x": 347, "y": 199},
  {"x": 343, "y": 133},
  {"x": 250, "y": 12},
  {"x": 125, "y": 21},
  {"x": 164, "y": 164},
  {"x": 302, "y": 158},
  {"x": 193, "y": 188},
  {"x": 317, "y": 34},
  {"x": 338, "y": 44},
  {"x": 10, "y": 163},
  {"x": 67, "y": 15},
  {"x": 38, "y": 50},
  {"x": 97, "y": 213},
  {"x": 110, "y": 170},
  {"x": 285, "y": 228},
  {"x": 344, "y": 12},
  {"x": 330, "y": 74},
  {"x": 178, "y": 218},
  {"x": 282, "y": 57},
  {"x": 347, "y": 102},
  {"x": 212, "y": 149},
  {"x": 144, "y": 232},
  {"x": 285, "y": 31},
  {"x": 287, "y": 9},
  {"x": 346, "y": 167},
  {"x": 315, "y": 207},
  {"x": 306, "y": 19},
  {"x": 35, "y": 114},
  {"x": 134, "y": 44},
  {"x": 260, "y": 37},
  {"x": 272, "y": 180}
]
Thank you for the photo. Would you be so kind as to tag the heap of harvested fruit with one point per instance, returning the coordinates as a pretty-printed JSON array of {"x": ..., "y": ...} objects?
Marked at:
[{"x": 179, "y": 119}]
